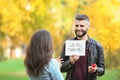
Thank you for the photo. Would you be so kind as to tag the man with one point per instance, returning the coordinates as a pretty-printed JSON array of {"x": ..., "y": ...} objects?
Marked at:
[{"x": 86, "y": 67}]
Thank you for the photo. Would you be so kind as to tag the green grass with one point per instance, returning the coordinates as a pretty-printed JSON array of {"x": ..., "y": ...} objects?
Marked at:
[
  {"x": 111, "y": 74},
  {"x": 14, "y": 69}
]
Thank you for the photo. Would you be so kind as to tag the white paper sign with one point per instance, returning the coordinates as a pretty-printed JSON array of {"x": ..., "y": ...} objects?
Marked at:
[{"x": 75, "y": 47}]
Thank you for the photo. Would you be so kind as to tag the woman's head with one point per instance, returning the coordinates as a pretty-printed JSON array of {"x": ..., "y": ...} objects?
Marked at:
[{"x": 39, "y": 52}]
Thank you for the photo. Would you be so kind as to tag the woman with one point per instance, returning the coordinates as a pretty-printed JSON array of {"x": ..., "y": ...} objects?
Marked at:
[{"x": 38, "y": 61}]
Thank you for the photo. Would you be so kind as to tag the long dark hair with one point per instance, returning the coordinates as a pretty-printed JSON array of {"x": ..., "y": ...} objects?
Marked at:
[{"x": 39, "y": 52}]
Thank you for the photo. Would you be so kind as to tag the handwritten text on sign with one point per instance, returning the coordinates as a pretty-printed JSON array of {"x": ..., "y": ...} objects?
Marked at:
[{"x": 75, "y": 47}]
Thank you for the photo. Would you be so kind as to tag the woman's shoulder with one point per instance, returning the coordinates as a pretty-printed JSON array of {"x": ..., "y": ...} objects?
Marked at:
[
  {"x": 52, "y": 66},
  {"x": 53, "y": 62}
]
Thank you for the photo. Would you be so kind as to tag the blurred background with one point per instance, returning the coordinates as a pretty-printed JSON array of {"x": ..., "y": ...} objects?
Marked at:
[{"x": 19, "y": 19}]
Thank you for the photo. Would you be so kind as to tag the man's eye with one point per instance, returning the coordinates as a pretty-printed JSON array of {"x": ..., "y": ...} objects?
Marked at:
[
  {"x": 81, "y": 25},
  {"x": 76, "y": 25}
]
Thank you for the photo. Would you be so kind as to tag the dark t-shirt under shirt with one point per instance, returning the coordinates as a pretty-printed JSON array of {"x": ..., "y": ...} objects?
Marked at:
[{"x": 80, "y": 68}]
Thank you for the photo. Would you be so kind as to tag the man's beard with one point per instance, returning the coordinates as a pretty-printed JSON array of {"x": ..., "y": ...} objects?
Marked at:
[{"x": 84, "y": 32}]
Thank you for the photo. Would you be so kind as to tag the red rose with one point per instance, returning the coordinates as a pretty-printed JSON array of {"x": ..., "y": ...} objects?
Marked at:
[{"x": 94, "y": 65}]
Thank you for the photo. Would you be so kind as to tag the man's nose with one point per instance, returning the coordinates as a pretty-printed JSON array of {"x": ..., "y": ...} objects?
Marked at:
[{"x": 79, "y": 28}]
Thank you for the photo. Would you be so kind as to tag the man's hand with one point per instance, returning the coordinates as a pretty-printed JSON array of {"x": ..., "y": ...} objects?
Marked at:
[
  {"x": 73, "y": 58},
  {"x": 92, "y": 68}
]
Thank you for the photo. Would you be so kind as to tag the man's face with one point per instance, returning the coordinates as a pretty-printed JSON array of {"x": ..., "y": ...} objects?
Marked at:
[{"x": 81, "y": 27}]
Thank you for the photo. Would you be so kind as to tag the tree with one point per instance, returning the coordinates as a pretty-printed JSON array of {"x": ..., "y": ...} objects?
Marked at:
[
  {"x": 105, "y": 27},
  {"x": 20, "y": 18}
]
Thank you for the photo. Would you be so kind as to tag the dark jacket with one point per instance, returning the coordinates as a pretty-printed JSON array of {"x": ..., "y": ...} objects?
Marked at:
[{"x": 95, "y": 55}]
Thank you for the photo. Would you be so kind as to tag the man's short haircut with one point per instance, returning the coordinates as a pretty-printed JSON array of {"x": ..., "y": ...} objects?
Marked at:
[{"x": 81, "y": 17}]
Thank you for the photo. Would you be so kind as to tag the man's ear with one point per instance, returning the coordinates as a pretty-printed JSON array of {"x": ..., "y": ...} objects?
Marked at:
[
  {"x": 88, "y": 23},
  {"x": 87, "y": 28}
]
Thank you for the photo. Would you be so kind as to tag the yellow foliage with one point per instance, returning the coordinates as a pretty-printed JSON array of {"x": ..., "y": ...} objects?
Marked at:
[
  {"x": 105, "y": 27},
  {"x": 20, "y": 18}
]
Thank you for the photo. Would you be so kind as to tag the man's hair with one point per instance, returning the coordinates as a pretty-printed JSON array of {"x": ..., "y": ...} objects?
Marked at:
[{"x": 81, "y": 17}]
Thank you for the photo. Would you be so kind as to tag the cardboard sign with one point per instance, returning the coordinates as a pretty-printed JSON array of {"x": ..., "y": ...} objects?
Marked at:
[{"x": 75, "y": 47}]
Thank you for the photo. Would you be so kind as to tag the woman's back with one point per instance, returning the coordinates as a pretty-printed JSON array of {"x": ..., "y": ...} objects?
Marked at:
[{"x": 51, "y": 72}]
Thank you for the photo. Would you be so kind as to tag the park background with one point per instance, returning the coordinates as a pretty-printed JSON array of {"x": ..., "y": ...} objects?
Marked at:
[{"x": 19, "y": 19}]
